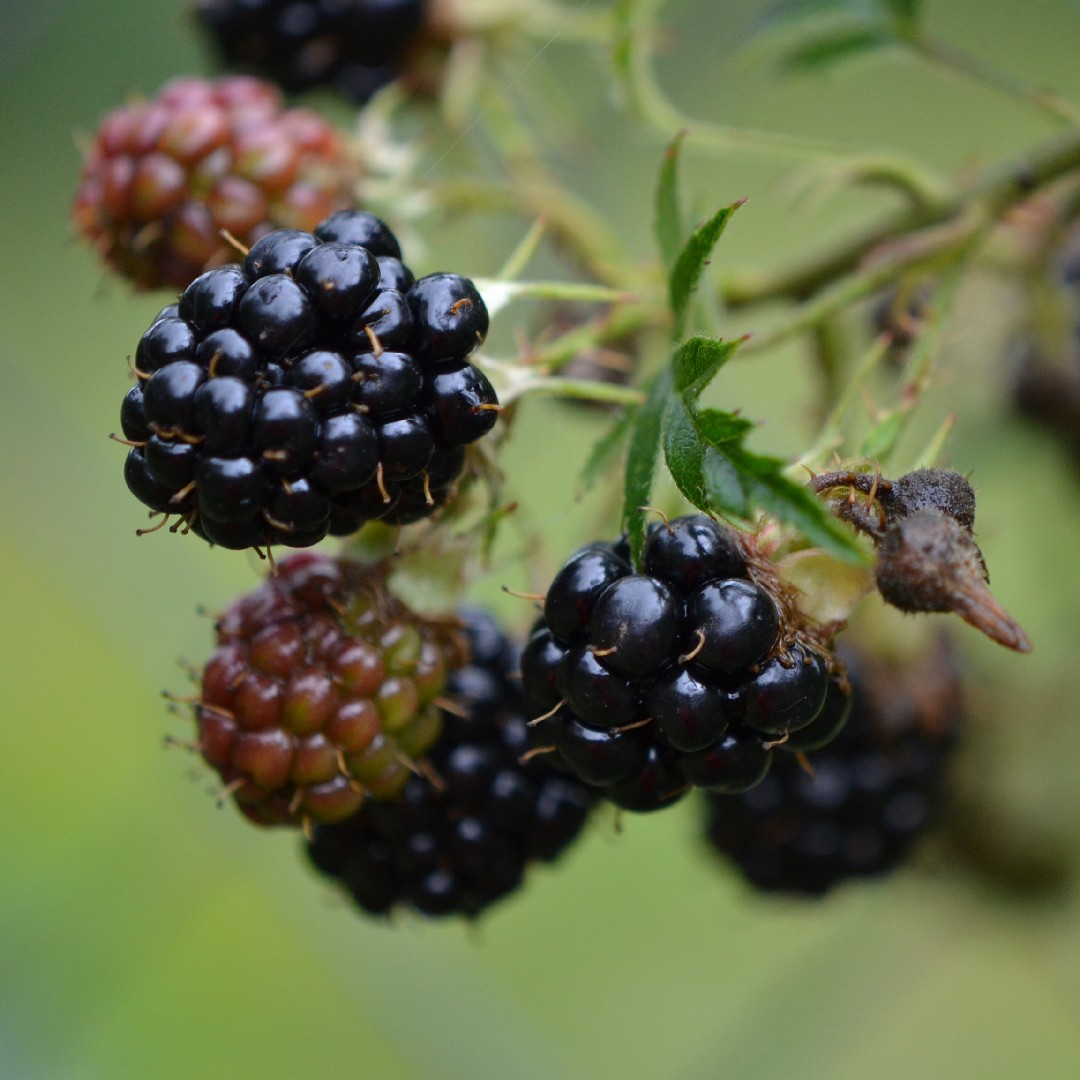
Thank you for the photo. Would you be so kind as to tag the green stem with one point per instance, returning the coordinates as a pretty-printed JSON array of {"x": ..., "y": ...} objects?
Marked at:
[
  {"x": 998, "y": 190},
  {"x": 634, "y": 56},
  {"x": 580, "y": 389},
  {"x": 610, "y": 327},
  {"x": 524, "y": 253},
  {"x": 565, "y": 22},
  {"x": 830, "y": 436},
  {"x": 829, "y": 347},
  {"x": 959, "y": 63},
  {"x": 498, "y": 293},
  {"x": 881, "y": 441},
  {"x": 922, "y": 187},
  {"x": 918, "y": 250},
  {"x": 576, "y": 224}
]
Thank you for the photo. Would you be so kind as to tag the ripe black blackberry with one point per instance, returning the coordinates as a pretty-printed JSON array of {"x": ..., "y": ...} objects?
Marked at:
[
  {"x": 457, "y": 842},
  {"x": 351, "y": 46},
  {"x": 865, "y": 800},
  {"x": 691, "y": 672},
  {"x": 162, "y": 178},
  {"x": 296, "y": 395},
  {"x": 320, "y": 692}
]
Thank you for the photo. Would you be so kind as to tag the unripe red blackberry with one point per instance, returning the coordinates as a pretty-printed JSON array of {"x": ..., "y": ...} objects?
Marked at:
[
  {"x": 350, "y": 46},
  {"x": 321, "y": 692},
  {"x": 162, "y": 178},
  {"x": 463, "y": 837},
  {"x": 691, "y": 672},
  {"x": 297, "y": 395},
  {"x": 857, "y": 807}
]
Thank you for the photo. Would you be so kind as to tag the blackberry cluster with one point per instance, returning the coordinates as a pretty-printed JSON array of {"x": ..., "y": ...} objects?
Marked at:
[
  {"x": 865, "y": 800},
  {"x": 320, "y": 692},
  {"x": 459, "y": 841},
  {"x": 689, "y": 673},
  {"x": 314, "y": 388},
  {"x": 162, "y": 178},
  {"x": 1048, "y": 395},
  {"x": 351, "y": 46}
]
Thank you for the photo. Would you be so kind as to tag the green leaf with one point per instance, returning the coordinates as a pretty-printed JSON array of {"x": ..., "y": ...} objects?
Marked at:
[
  {"x": 641, "y": 460},
  {"x": 725, "y": 478},
  {"x": 691, "y": 261},
  {"x": 881, "y": 439},
  {"x": 606, "y": 448},
  {"x": 725, "y": 486},
  {"x": 668, "y": 224},
  {"x": 719, "y": 427},
  {"x": 769, "y": 489},
  {"x": 684, "y": 454},
  {"x": 696, "y": 363},
  {"x": 835, "y": 46}
]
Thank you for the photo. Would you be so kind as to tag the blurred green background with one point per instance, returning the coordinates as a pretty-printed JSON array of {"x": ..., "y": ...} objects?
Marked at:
[{"x": 146, "y": 933}]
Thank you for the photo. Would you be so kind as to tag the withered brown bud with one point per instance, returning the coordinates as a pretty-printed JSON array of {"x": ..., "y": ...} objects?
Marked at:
[
  {"x": 931, "y": 489},
  {"x": 929, "y": 561}
]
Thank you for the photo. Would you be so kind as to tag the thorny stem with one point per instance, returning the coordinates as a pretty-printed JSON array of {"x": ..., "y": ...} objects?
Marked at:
[
  {"x": 992, "y": 196},
  {"x": 943, "y": 244}
]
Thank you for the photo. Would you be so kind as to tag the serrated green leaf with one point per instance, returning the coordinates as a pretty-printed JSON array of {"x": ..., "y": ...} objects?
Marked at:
[
  {"x": 691, "y": 261},
  {"x": 641, "y": 460},
  {"x": 696, "y": 362},
  {"x": 834, "y": 47},
  {"x": 727, "y": 479},
  {"x": 607, "y": 447},
  {"x": 668, "y": 224},
  {"x": 881, "y": 439},
  {"x": 768, "y": 489},
  {"x": 719, "y": 427},
  {"x": 684, "y": 454},
  {"x": 725, "y": 486}
]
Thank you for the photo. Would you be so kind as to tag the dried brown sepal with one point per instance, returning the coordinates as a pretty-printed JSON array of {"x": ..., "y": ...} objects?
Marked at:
[{"x": 929, "y": 562}]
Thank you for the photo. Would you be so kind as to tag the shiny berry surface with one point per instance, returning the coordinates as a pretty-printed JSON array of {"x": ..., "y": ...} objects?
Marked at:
[
  {"x": 450, "y": 315},
  {"x": 692, "y": 672},
  {"x": 458, "y": 846},
  {"x": 289, "y": 394}
]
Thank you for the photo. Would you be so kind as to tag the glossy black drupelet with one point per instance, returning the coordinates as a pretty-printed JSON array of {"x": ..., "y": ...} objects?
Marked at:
[
  {"x": 646, "y": 684},
  {"x": 297, "y": 395},
  {"x": 352, "y": 46},
  {"x": 459, "y": 849},
  {"x": 874, "y": 791}
]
